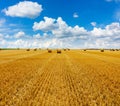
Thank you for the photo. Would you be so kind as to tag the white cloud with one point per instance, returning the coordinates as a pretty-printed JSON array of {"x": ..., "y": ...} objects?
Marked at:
[
  {"x": 110, "y": 30},
  {"x": 59, "y": 28},
  {"x": 26, "y": 9},
  {"x": 102, "y": 43},
  {"x": 56, "y": 33},
  {"x": 112, "y": 0},
  {"x": 19, "y": 34},
  {"x": 19, "y": 43},
  {"x": 46, "y": 25},
  {"x": 37, "y": 36},
  {"x": 93, "y": 24},
  {"x": 2, "y": 21},
  {"x": 78, "y": 36},
  {"x": 75, "y": 15},
  {"x": 54, "y": 43}
]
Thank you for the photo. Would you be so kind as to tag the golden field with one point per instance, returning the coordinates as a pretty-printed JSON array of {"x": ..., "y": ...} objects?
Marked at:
[{"x": 72, "y": 78}]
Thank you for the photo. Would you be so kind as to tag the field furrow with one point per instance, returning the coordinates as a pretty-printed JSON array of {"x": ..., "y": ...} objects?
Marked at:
[{"x": 71, "y": 78}]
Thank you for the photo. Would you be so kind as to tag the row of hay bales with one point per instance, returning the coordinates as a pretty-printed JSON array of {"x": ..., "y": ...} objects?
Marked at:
[
  {"x": 49, "y": 50},
  {"x": 66, "y": 49},
  {"x": 102, "y": 50},
  {"x": 58, "y": 51},
  {"x": 114, "y": 49},
  {"x": 33, "y": 49}
]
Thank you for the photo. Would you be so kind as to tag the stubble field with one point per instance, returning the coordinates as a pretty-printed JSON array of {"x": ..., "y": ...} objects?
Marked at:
[{"x": 72, "y": 78}]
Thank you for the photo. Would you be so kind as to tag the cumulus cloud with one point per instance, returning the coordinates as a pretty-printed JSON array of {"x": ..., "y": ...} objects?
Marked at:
[
  {"x": 26, "y": 9},
  {"x": 19, "y": 34},
  {"x": 75, "y": 15},
  {"x": 108, "y": 37},
  {"x": 35, "y": 43},
  {"x": 59, "y": 28},
  {"x": 110, "y": 30},
  {"x": 37, "y": 36},
  {"x": 46, "y": 25},
  {"x": 56, "y": 33},
  {"x": 93, "y": 24},
  {"x": 97, "y": 37}
]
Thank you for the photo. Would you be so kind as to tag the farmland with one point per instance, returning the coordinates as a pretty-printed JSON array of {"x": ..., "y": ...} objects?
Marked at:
[{"x": 71, "y": 78}]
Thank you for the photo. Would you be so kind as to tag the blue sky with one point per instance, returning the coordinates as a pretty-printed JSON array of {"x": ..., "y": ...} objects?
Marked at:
[{"x": 60, "y": 23}]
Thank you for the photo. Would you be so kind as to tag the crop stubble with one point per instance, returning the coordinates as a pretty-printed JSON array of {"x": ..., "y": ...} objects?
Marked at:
[{"x": 72, "y": 78}]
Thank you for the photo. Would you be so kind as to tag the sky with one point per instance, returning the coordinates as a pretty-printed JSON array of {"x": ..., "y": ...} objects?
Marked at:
[{"x": 59, "y": 23}]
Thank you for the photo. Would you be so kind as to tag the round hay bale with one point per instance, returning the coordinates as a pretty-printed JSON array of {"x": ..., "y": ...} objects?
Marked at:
[
  {"x": 35, "y": 49},
  {"x": 59, "y": 51},
  {"x": 49, "y": 51},
  {"x": 27, "y": 49},
  {"x": 102, "y": 50},
  {"x": 64, "y": 49}
]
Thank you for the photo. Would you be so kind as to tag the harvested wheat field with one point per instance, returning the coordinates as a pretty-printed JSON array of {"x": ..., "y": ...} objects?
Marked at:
[{"x": 71, "y": 78}]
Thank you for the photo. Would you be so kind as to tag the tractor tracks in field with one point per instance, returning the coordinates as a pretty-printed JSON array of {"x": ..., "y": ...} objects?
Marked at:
[
  {"x": 55, "y": 86},
  {"x": 95, "y": 79},
  {"x": 16, "y": 94},
  {"x": 55, "y": 80},
  {"x": 49, "y": 89},
  {"x": 68, "y": 76}
]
